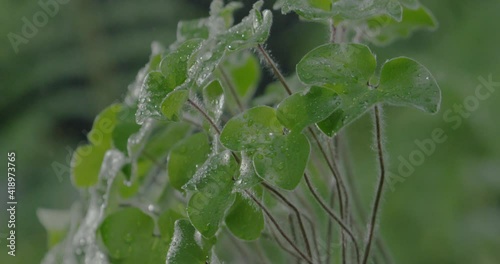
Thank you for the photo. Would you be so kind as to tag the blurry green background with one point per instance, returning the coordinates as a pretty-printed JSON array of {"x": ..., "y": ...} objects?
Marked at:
[{"x": 447, "y": 211}]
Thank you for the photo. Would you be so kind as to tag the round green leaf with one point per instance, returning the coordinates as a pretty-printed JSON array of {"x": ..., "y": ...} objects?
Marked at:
[
  {"x": 245, "y": 219},
  {"x": 251, "y": 129},
  {"x": 335, "y": 65},
  {"x": 185, "y": 157},
  {"x": 284, "y": 161},
  {"x": 305, "y": 108},
  {"x": 213, "y": 99},
  {"x": 86, "y": 164},
  {"x": 406, "y": 82},
  {"x": 172, "y": 104},
  {"x": 128, "y": 237},
  {"x": 213, "y": 183},
  {"x": 186, "y": 247}
]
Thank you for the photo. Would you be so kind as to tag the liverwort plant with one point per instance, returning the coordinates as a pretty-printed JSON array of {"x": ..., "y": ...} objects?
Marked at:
[{"x": 194, "y": 168}]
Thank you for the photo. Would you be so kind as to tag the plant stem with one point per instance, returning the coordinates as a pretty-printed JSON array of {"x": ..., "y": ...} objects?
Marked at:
[
  {"x": 275, "y": 69},
  {"x": 205, "y": 115},
  {"x": 275, "y": 223},
  {"x": 332, "y": 214},
  {"x": 381, "y": 181},
  {"x": 231, "y": 88},
  {"x": 297, "y": 213}
]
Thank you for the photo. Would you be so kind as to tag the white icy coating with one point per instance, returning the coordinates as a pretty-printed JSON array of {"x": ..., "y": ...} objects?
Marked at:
[
  {"x": 136, "y": 144},
  {"x": 64, "y": 252},
  {"x": 85, "y": 237}
]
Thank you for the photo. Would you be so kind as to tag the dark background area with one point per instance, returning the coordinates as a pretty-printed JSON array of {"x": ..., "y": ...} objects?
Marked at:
[{"x": 447, "y": 211}]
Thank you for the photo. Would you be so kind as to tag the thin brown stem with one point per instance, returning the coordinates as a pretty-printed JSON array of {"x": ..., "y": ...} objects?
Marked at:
[
  {"x": 274, "y": 68},
  {"x": 332, "y": 214},
  {"x": 231, "y": 88},
  {"x": 381, "y": 181},
  {"x": 275, "y": 223},
  {"x": 297, "y": 213},
  {"x": 339, "y": 186},
  {"x": 205, "y": 115}
]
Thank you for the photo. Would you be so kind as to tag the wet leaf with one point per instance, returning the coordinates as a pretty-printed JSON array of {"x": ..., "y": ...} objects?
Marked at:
[
  {"x": 383, "y": 30},
  {"x": 213, "y": 184},
  {"x": 251, "y": 129},
  {"x": 305, "y": 108},
  {"x": 185, "y": 157},
  {"x": 213, "y": 99},
  {"x": 405, "y": 82},
  {"x": 284, "y": 161},
  {"x": 245, "y": 219},
  {"x": 173, "y": 72},
  {"x": 173, "y": 103},
  {"x": 86, "y": 164},
  {"x": 186, "y": 247},
  {"x": 337, "y": 66},
  {"x": 128, "y": 237}
]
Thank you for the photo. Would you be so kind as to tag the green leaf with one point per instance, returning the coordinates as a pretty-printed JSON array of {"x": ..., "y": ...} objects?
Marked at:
[
  {"x": 166, "y": 224},
  {"x": 185, "y": 157},
  {"x": 213, "y": 99},
  {"x": 252, "y": 30},
  {"x": 173, "y": 103},
  {"x": 362, "y": 9},
  {"x": 245, "y": 219},
  {"x": 308, "y": 9},
  {"x": 406, "y": 82},
  {"x": 125, "y": 127},
  {"x": 186, "y": 247},
  {"x": 284, "y": 161},
  {"x": 324, "y": 10},
  {"x": 128, "y": 237},
  {"x": 383, "y": 30},
  {"x": 56, "y": 222},
  {"x": 173, "y": 72},
  {"x": 174, "y": 65},
  {"x": 251, "y": 129},
  {"x": 86, "y": 164},
  {"x": 192, "y": 29},
  {"x": 305, "y": 108},
  {"x": 104, "y": 124},
  {"x": 340, "y": 68},
  {"x": 337, "y": 66},
  {"x": 213, "y": 183}
]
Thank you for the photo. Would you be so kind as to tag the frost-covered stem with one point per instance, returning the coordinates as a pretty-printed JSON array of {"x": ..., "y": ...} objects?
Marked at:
[
  {"x": 205, "y": 115},
  {"x": 275, "y": 69},
  {"x": 297, "y": 213},
  {"x": 332, "y": 215},
  {"x": 231, "y": 88},
  {"x": 275, "y": 223},
  {"x": 381, "y": 181},
  {"x": 333, "y": 30}
]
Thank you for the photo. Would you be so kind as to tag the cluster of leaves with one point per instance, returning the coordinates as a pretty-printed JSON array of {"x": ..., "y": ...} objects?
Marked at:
[{"x": 192, "y": 151}]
